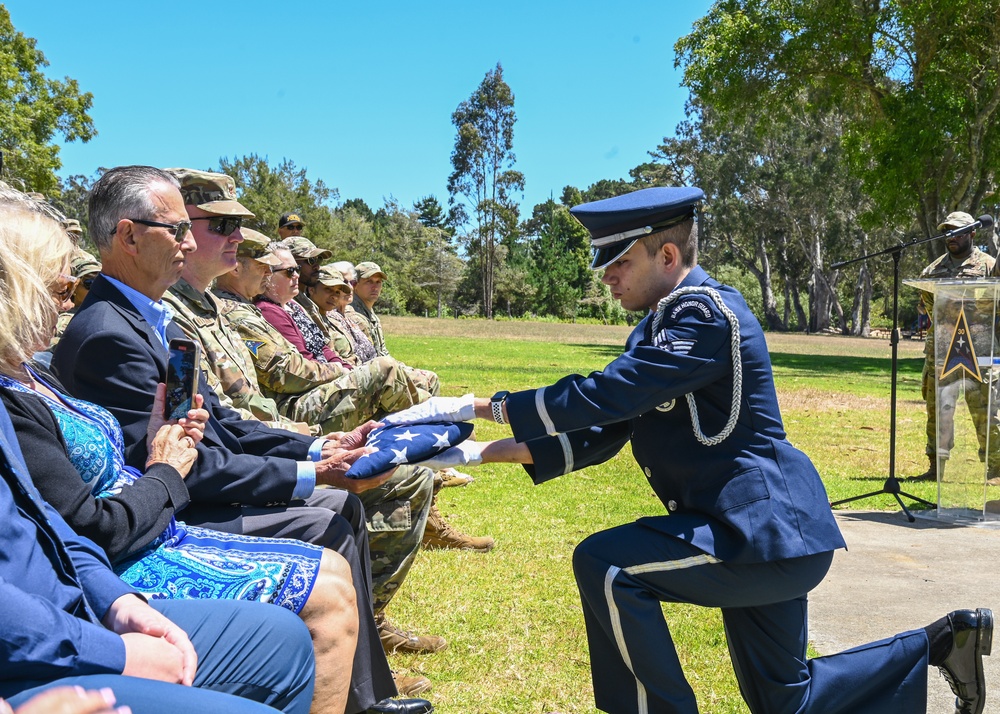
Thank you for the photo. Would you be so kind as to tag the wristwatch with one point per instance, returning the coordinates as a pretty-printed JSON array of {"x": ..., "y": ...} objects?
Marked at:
[{"x": 496, "y": 404}]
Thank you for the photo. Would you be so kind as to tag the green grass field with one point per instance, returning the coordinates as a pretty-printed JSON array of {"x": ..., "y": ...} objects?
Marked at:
[{"x": 512, "y": 616}]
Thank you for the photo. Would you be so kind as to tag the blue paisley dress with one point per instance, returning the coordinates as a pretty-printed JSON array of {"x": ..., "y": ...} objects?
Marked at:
[{"x": 183, "y": 562}]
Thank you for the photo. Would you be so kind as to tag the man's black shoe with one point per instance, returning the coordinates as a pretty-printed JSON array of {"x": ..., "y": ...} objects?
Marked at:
[
  {"x": 972, "y": 639},
  {"x": 402, "y": 706}
]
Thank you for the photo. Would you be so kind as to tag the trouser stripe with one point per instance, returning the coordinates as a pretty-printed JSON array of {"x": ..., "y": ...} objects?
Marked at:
[
  {"x": 543, "y": 413},
  {"x": 642, "y": 705},
  {"x": 616, "y": 628}
]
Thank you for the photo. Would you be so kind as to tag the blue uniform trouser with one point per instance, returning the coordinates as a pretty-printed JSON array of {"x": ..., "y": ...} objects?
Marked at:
[
  {"x": 258, "y": 652},
  {"x": 626, "y": 572}
]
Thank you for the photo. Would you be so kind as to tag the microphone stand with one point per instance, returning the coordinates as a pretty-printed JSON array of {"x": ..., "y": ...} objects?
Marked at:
[{"x": 891, "y": 485}]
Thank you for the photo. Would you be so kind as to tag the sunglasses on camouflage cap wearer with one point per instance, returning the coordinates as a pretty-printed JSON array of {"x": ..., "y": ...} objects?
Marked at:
[{"x": 223, "y": 225}]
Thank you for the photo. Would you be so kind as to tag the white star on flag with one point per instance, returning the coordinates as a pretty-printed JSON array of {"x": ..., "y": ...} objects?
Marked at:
[
  {"x": 400, "y": 456},
  {"x": 406, "y": 436},
  {"x": 442, "y": 440}
]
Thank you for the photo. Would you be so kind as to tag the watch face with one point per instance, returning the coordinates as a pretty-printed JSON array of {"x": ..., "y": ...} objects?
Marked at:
[{"x": 499, "y": 396}]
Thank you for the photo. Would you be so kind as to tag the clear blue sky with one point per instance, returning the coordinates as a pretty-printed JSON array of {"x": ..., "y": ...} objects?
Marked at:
[{"x": 361, "y": 93}]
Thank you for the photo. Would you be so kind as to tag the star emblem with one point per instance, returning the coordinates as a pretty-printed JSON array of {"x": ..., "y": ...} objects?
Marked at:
[
  {"x": 406, "y": 436},
  {"x": 442, "y": 440},
  {"x": 400, "y": 456}
]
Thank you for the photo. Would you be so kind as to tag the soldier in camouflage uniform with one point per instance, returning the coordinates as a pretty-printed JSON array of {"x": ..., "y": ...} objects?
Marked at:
[
  {"x": 962, "y": 261},
  {"x": 366, "y": 293},
  {"x": 308, "y": 257}
]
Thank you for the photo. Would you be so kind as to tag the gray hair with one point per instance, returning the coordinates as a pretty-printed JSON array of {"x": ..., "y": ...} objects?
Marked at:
[
  {"x": 345, "y": 268},
  {"x": 122, "y": 192}
]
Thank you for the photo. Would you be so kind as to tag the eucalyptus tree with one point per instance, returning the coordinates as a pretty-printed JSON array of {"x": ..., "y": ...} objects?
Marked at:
[{"x": 483, "y": 181}]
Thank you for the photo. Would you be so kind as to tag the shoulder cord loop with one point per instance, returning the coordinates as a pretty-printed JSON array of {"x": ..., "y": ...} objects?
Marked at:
[{"x": 734, "y": 331}]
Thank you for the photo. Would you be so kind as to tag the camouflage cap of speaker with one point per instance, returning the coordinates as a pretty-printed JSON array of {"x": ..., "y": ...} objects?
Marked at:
[
  {"x": 255, "y": 245},
  {"x": 211, "y": 192}
]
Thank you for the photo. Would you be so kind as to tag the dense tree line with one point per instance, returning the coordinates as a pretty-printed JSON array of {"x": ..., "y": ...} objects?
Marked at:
[{"x": 820, "y": 132}]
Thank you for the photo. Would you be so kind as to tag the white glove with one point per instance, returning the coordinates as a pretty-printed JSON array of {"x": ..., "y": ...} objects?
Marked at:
[
  {"x": 435, "y": 409},
  {"x": 468, "y": 453}
]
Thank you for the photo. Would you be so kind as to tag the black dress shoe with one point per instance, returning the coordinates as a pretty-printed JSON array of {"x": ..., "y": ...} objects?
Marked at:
[
  {"x": 404, "y": 706},
  {"x": 972, "y": 638}
]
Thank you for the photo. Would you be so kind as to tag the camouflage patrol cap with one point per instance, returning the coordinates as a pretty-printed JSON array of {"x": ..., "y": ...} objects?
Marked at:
[
  {"x": 303, "y": 248},
  {"x": 956, "y": 219},
  {"x": 255, "y": 245},
  {"x": 331, "y": 277},
  {"x": 72, "y": 226},
  {"x": 215, "y": 193},
  {"x": 83, "y": 264},
  {"x": 369, "y": 269}
]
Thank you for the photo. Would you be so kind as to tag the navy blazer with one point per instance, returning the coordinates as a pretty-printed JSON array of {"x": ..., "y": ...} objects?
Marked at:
[
  {"x": 111, "y": 356},
  {"x": 55, "y": 586},
  {"x": 751, "y": 498}
]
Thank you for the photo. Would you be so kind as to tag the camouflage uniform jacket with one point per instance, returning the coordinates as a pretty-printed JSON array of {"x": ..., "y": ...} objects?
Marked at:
[
  {"x": 61, "y": 323},
  {"x": 283, "y": 373},
  {"x": 225, "y": 359},
  {"x": 368, "y": 321},
  {"x": 977, "y": 265}
]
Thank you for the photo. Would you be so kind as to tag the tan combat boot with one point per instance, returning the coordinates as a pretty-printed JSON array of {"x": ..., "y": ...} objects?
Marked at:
[
  {"x": 930, "y": 474},
  {"x": 397, "y": 640},
  {"x": 410, "y": 686},
  {"x": 450, "y": 477},
  {"x": 438, "y": 534}
]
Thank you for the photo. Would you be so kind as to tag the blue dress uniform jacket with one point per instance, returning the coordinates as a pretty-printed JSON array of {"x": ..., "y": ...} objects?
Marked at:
[{"x": 751, "y": 498}]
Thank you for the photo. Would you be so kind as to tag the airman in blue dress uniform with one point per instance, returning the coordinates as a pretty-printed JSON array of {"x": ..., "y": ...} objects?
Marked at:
[{"x": 748, "y": 527}]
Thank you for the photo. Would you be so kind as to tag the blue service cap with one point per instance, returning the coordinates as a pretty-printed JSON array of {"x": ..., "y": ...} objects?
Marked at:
[{"x": 615, "y": 224}]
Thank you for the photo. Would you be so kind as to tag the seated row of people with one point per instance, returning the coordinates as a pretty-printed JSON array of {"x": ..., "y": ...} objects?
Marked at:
[{"x": 227, "y": 474}]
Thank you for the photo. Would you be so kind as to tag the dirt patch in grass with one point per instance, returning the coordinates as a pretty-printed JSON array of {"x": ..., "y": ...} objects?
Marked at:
[{"x": 820, "y": 400}]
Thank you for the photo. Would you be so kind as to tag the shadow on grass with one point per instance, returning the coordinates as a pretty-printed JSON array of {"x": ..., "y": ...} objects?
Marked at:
[
  {"x": 844, "y": 364},
  {"x": 816, "y": 364}
]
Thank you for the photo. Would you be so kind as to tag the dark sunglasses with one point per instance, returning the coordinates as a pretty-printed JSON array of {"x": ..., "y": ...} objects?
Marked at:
[
  {"x": 293, "y": 226},
  {"x": 88, "y": 282},
  {"x": 290, "y": 272},
  {"x": 309, "y": 261},
  {"x": 224, "y": 226},
  {"x": 178, "y": 230}
]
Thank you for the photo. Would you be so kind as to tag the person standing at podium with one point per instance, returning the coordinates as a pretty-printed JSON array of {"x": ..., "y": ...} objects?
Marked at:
[{"x": 962, "y": 261}]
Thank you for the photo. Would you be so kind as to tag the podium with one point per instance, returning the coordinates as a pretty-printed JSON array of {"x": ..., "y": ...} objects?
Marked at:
[{"x": 966, "y": 364}]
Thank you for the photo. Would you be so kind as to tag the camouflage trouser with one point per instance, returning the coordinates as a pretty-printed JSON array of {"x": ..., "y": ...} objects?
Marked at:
[
  {"x": 370, "y": 391},
  {"x": 396, "y": 513},
  {"x": 977, "y": 397},
  {"x": 426, "y": 381}
]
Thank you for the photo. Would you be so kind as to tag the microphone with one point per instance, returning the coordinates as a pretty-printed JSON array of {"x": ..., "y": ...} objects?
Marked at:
[{"x": 984, "y": 221}]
